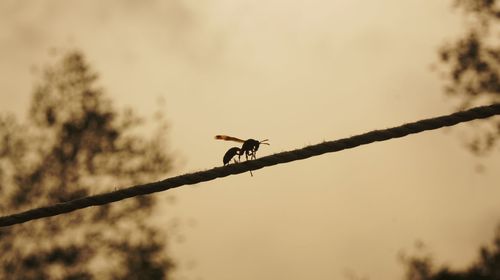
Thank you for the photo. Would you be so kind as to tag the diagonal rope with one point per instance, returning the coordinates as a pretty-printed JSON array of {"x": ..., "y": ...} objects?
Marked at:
[{"x": 279, "y": 158}]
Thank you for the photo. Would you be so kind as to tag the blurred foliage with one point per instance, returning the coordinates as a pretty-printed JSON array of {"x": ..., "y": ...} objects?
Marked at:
[
  {"x": 472, "y": 71},
  {"x": 74, "y": 144},
  {"x": 486, "y": 267},
  {"x": 471, "y": 65}
]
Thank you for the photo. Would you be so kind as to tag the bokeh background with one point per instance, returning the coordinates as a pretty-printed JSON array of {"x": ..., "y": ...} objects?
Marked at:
[{"x": 297, "y": 73}]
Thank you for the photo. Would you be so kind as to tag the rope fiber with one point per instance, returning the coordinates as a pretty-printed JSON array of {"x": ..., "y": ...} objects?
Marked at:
[{"x": 232, "y": 169}]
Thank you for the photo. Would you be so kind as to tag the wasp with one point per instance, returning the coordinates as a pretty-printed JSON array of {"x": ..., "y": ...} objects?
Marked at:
[{"x": 249, "y": 148}]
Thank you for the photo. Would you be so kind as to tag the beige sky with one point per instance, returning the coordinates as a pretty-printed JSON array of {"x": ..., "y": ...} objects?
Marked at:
[{"x": 296, "y": 72}]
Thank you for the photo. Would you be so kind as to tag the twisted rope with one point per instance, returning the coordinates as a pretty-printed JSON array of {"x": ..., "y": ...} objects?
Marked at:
[{"x": 279, "y": 158}]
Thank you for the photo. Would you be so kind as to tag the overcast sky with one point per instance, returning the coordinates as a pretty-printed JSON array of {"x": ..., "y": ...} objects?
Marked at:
[{"x": 297, "y": 73}]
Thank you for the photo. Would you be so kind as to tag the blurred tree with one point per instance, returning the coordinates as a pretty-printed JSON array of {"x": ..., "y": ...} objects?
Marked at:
[
  {"x": 75, "y": 144},
  {"x": 471, "y": 65},
  {"x": 487, "y": 267},
  {"x": 472, "y": 71}
]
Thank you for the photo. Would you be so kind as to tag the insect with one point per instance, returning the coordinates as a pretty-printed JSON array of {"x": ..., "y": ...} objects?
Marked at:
[{"x": 249, "y": 148}]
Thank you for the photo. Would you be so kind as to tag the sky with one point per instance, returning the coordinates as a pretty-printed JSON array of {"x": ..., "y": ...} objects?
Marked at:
[{"x": 296, "y": 73}]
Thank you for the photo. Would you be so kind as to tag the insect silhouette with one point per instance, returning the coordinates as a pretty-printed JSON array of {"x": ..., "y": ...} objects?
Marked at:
[{"x": 249, "y": 148}]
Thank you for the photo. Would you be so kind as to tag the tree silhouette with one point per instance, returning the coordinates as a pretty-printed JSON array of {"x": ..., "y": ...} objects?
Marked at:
[
  {"x": 486, "y": 267},
  {"x": 472, "y": 65},
  {"x": 472, "y": 70},
  {"x": 74, "y": 143}
]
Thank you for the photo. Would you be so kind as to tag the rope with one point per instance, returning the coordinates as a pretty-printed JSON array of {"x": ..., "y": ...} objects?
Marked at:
[{"x": 232, "y": 169}]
